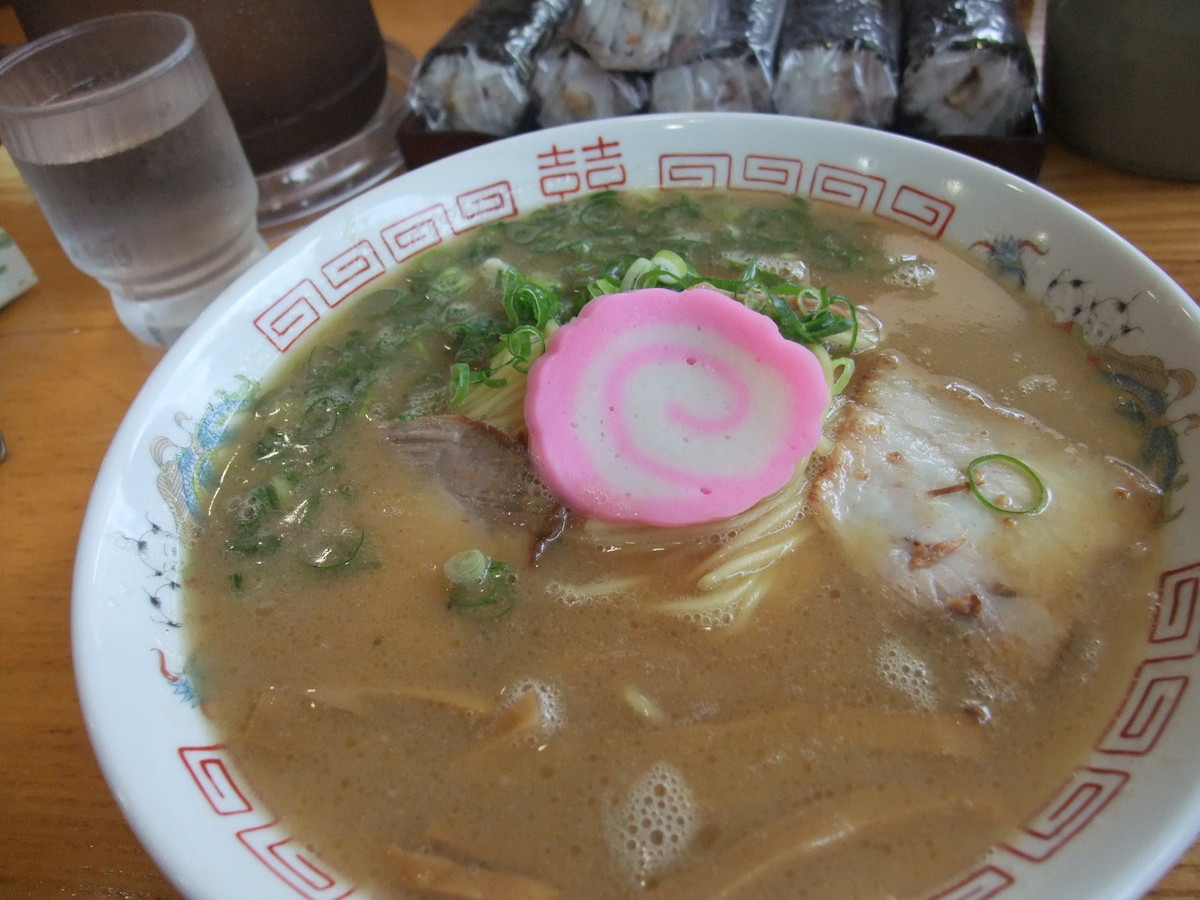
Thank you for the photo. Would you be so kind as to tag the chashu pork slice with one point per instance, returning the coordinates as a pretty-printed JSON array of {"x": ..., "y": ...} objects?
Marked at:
[
  {"x": 484, "y": 470},
  {"x": 894, "y": 491}
]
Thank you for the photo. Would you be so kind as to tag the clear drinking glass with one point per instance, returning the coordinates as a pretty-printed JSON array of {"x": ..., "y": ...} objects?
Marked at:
[
  {"x": 315, "y": 92},
  {"x": 297, "y": 78},
  {"x": 117, "y": 127}
]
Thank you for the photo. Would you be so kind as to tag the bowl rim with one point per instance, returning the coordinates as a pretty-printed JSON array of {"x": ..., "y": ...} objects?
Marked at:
[{"x": 193, "y": 352}]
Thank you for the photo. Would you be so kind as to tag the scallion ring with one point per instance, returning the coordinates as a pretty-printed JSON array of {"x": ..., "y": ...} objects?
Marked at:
[{"x": 1041, "y": 492}]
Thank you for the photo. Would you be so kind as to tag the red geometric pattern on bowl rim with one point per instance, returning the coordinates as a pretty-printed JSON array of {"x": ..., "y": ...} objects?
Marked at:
[
  {"x": 293, "y": 863},
  {"x": 570, "y": 171},
  {"x": 985, "y": 882},
  {"x": 213, "y": 774},
  {"x": 1176, "y": 631},
  {"x": 1078, "y": 802}
]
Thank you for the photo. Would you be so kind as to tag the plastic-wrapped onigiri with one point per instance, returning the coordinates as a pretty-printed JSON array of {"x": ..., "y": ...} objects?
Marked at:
[
  {"x": 477, "y": 77},
  {"x": 840, "y": 60},
  {"x": 734, "y": 71},
  {"x": 569, "y": 87},
  {"x": 968, "y": 69},
  {"x": 642, "y": 35}
]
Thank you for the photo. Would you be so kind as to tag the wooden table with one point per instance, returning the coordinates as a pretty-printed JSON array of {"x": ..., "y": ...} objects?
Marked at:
[{"x": 68, "y": 371}]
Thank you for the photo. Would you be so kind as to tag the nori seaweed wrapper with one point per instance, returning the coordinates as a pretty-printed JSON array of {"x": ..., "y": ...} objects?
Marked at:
[
  {"x": 477, "y": 76},
  {"x": 968, "y": 69},
  {"x": 840, "y": 60},
  {"x": 642, "y": 35},
  {"x": 735, "y": 69}
]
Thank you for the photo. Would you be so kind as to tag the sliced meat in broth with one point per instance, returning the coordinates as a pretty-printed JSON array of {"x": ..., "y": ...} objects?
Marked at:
[
  {"x": 484, "y": 470},
  {"x": 894, "y": 491}
]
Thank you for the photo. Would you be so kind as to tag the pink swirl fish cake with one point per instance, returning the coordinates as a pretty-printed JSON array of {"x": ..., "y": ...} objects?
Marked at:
[{"x": 671, "y": 408}]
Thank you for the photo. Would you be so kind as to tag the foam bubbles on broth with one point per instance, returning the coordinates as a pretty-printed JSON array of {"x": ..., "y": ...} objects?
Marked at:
[
  {"x": 916, "y": 274},
  {"x": 903, "y": 670},
  {"x": 553, "y": 715},
  {"x": 652, "y": 825}
]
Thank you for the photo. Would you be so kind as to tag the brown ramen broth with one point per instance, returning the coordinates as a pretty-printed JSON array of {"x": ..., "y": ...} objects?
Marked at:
[{"x": 602, "y": 732}]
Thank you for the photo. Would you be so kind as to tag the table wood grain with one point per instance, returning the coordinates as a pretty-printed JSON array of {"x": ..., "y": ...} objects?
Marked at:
[{"x": 68, "y": 371}]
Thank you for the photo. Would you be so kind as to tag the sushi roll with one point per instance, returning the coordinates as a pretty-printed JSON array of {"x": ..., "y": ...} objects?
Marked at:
[
  {"x": 642, "y": 35},
  {"x": 477, "y": 77},
  {"x": 840, "y": 60},
  {"x": 569, "y": 87},
  {"x": 968, "y": 69},
  {"x": 734, "y": 72}
]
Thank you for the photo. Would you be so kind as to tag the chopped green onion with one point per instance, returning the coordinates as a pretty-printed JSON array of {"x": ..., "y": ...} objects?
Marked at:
[
  {"x": 249, "y": 542},
  {"x": 671, "y": 264},
  {"x": 851, "y": 314},
  {"x": 602, "y": 286},
  {"x": 320, "y": 419},
  {"x": 266, "y": 495},
  {"x": 468, "y": 566},
  {"x": 273, "y": 442},
  {"x": 530, "y": 308},
  {"x": 601, "y": 213},
  {"x": 451, "y": 282},
  {"x": 635, "y": 275},
  {"x": 462, "y": 376},
  {"x": 843, "y": 371},
  {"x": 1041, "y": 493},
  {"x": 460, "y": 380},
  {"x": 333, "y": 549},
  {"x": 526, "y": 302},
  {"x": 479, "y": 586},
  {"x": 804, "y": 315},
  {"x": 809, "y": 316},
  {"x": 520, "y": 344}
]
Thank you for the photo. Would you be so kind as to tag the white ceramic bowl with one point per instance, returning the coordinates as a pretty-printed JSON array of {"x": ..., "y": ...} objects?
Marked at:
[{"x": 1116, "y": 825}]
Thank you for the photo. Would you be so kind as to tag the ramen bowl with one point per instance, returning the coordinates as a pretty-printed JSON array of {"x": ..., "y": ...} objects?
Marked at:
[{"x": 1118, "y": 820}]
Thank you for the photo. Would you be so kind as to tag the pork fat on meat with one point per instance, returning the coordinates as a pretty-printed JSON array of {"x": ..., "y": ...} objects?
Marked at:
[
  {"x": 894, "y": 491},
  {"x": 483, "y": 469}
]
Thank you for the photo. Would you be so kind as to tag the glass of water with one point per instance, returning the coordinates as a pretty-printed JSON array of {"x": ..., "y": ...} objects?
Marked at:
[{"x": 118, "y": 129}]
